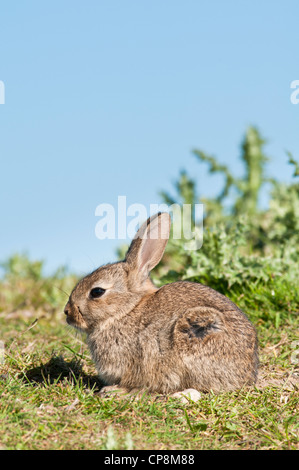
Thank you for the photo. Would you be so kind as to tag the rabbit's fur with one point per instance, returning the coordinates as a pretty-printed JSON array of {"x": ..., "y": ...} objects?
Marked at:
[{"x": 183, "y": 335}]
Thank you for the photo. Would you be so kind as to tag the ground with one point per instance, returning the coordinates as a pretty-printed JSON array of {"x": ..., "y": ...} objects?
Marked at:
[{"x": 50, "y": 399}]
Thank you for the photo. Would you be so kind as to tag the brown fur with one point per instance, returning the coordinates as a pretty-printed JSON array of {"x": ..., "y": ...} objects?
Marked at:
[{"x": 183, "y": 335}]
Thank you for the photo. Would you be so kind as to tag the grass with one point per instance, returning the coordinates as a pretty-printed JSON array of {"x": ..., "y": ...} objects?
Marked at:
[{"x": 49, "y": 399}]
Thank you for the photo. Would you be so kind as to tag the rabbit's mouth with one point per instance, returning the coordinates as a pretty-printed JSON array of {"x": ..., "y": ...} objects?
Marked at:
[{"x": 74, "y": 317}]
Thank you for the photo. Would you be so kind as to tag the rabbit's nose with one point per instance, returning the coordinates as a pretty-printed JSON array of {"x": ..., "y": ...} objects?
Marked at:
[{"x": 67, "y": 309}]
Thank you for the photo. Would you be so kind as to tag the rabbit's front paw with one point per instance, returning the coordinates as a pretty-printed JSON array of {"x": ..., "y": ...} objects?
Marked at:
[
  {"x": 110, "y": 390},
  {"x": 190, "y": 394}
]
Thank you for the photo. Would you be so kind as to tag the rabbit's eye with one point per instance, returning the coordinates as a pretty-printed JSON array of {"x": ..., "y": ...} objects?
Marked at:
[{"x": 97, "y": 292}]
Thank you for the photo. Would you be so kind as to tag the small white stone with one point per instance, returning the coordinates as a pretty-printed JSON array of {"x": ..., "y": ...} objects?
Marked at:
[{"x": 190, "y": 394}]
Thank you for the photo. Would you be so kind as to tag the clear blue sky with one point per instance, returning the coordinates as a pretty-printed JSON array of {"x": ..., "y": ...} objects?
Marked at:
[{"x": 106, "y": 98}]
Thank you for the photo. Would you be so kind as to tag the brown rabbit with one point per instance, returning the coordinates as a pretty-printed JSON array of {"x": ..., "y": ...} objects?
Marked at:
[{"x": 183, "y": 335}]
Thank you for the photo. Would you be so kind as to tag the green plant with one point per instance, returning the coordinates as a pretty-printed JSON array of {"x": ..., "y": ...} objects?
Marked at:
[{"x": 25, "y": 288}]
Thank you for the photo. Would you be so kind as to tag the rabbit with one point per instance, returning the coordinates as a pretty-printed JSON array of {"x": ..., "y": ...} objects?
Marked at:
[{"x": 183, "y": 335}]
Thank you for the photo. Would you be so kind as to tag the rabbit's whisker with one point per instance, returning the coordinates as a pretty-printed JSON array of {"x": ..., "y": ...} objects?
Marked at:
[{"x": 57, "y": 287}]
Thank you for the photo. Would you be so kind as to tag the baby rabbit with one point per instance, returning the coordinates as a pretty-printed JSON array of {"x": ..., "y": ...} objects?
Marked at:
[{"x": 181, "y": 336}]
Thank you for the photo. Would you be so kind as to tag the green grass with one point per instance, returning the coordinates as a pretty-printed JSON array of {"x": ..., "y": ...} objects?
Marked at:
[{"x": 49, "y": 399}]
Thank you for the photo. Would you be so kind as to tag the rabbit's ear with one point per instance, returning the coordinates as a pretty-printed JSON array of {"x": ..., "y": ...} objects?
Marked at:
[{"x": 149, "y": 243}]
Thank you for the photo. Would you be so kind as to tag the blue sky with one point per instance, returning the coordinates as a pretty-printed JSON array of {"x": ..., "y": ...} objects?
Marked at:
[{"x": 108, "y": 98}]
